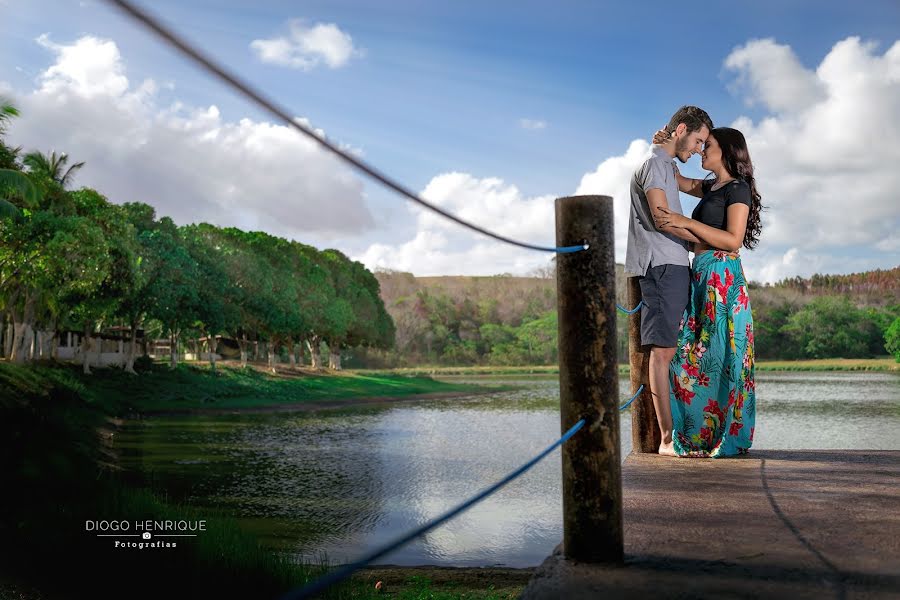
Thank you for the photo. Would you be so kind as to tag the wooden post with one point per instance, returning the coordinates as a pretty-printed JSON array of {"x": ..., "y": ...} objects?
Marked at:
[
  {"x": 645, "y": 436},
  {"x": 588, "y": 380}
]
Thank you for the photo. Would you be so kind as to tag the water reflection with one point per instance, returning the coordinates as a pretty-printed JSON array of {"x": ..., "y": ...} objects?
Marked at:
[{"x": 347, "y": 483}]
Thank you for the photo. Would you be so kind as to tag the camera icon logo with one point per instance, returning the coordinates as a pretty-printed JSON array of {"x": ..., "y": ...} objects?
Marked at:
[{"x": 146, "y": 535}]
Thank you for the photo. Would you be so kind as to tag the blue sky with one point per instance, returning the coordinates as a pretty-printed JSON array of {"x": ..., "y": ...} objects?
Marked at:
[{"x": 437, "y": 88}]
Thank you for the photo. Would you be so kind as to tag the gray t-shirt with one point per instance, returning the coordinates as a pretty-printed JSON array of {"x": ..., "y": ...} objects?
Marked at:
[{"x": 646, "y": 246}]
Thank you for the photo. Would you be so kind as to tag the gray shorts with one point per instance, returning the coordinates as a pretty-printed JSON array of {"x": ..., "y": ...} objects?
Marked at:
[{"x": 665, "y": 291}]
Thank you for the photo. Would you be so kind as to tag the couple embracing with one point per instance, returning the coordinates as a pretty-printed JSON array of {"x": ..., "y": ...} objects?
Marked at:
[{"x": 696, "y": 317}]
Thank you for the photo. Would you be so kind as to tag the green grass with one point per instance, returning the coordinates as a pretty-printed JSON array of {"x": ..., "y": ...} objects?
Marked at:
[
  {"x": 191, "y": 387},
  {"x": 479, "y": 371},
  {"x": 422, "y": 587},
  {"x": 825, "y": 364},
  {"x": 830, "y": 364}
]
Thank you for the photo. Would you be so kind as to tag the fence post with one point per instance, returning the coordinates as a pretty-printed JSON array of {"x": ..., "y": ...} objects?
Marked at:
[
  {"x": 588, "y": 380},
  {"x": 645, "y": 436}
]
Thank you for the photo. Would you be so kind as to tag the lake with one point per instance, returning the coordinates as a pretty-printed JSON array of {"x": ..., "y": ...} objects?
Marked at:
[{"x": 344, "y": 482}]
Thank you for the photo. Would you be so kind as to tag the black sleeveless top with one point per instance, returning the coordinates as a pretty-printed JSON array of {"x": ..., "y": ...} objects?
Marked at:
[{"x": 713, "y": 208}]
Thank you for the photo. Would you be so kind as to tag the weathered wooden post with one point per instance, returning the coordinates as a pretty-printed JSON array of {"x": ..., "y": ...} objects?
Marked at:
[
  {"x": 645, "y": 436},
  {"x": 588, "y": 380}
]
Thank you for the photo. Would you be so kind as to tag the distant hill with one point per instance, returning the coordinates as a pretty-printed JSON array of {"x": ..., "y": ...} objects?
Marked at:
[
  {"x": 880, "y": 287},
  {"x": 504, "y": 319},
  {"x": 515, "y": 294}
]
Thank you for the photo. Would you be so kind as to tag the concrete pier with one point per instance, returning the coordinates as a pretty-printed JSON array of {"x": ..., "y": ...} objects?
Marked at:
[{"x": 772, "y": 524}]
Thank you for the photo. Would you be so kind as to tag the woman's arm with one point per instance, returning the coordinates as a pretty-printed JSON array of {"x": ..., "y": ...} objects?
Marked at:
[
  {"x": 685, "y": 184},
  {"x": 730, "y": 239},
  {"x": 694, "y": 187},
  {"x": 681, "y": 232}
]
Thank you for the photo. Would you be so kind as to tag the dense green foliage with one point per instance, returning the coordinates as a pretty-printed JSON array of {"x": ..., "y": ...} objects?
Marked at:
[
  {"x": 509, "y": 321},
  {"x": 892, "y": 339},
  {"x": 73, "y": 261}
]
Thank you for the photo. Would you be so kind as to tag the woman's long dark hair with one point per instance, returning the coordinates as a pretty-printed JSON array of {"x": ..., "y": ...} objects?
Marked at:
[{"x": 736, "y": 159}]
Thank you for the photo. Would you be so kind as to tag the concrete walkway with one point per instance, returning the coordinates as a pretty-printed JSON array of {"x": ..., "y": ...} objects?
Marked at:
[{"x": 773, "y": 524}]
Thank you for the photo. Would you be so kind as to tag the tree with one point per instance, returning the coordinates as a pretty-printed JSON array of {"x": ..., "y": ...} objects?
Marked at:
[
  {"x": 280, "y": 318},
  {"x": 13, "y": 182},
  {"x": 892, "y": 339},
  {"x": 829, "y": 326},
  {"x": 52, "y": 265},
  {"x": 339, "y": 315},
  {"x": 172, "y": 291},
  {"x": 52, "y": 166},
  {"x": 541, "y": 338},
  {"x": 316, "y": 296},
  {"x": 102, "y": 306},
  {"x": 215, "y": 311}
]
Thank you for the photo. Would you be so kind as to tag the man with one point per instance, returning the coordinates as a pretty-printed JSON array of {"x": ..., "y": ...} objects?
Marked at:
[{"x": 660, "y": 259}]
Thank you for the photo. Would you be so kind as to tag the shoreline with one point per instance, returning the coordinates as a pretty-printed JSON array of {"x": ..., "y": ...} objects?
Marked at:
[
  {"x": 880, "y": 365},
  {"x": 315, "y": 405},
  {"x": 875, "y": 365}
]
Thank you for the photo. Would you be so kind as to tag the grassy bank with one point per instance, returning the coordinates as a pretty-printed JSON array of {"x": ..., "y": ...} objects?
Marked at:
[
  {"x": 58, "y": 471},
  {"x": 825, "y": 364},
  {"x": 831, "y": 364},
  {"x": 194, "y": 387}
]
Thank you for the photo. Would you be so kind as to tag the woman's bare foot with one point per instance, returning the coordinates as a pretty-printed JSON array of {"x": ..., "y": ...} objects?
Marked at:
[{"x": 667, "y": 449}]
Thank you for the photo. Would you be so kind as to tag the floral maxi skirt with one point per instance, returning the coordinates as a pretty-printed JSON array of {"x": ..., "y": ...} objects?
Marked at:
[{"x": 713, "y": 395}]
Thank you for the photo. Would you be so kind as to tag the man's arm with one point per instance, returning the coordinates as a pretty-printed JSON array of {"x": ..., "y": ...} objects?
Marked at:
[{"x": 657, "y": 198}]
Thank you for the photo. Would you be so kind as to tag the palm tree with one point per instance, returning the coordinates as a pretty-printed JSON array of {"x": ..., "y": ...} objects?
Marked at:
[
  {"x": 16, "y": 184},
  {"x": 7, "y": 111},
  {"x": 12, "y": 181},
  {"x": 53, "y": 166}
]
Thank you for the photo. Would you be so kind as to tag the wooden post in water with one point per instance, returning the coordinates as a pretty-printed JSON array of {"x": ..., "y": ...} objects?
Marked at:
[
  {"x": 645, "y": 436},
  {"x": 588, "y": 380}
]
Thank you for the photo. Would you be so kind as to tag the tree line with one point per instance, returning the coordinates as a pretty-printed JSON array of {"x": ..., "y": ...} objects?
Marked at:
[
  {"x": 73, "y": 261},
  {"x": 506, "y": 320}
]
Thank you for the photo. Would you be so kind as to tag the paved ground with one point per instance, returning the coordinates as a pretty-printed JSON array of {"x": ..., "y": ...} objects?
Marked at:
[{"x": 773, "y": 524}]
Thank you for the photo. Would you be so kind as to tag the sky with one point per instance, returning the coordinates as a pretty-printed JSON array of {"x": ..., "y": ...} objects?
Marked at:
[{"x": 489, "y": 109}]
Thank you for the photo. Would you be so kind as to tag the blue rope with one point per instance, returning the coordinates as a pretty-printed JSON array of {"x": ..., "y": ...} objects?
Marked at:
[
  {"x": 345, "y": 571},
  {"x": 632, "y": 311},
  {"x": 636, "y": 394},
  {"x": 563, "y": 249}
]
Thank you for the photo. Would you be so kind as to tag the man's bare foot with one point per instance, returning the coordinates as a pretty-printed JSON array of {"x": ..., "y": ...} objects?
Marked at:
[{"x": 667, "y": 449}]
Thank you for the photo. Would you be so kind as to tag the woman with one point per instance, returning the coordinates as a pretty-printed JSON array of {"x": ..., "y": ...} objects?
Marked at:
[{"x": 713, "y": 393}]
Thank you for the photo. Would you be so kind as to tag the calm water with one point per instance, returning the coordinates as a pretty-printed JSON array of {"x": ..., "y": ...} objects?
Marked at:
[{"x": 344, "y": 484}]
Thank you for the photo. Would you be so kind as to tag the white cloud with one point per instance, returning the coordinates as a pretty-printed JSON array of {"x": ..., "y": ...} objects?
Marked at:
[
  {"x": 612, "y": 177},
  {"x": 307, "y": 47},
  {"x": 889, "y": 244},
  {"x": 91, "y": 67},
  {"x": 534, "y": 124},
  {"x": 825, "y": 161},
  {"x": 774, "y": 264},
  {"x": 825, "y": 158},
  {"x": 188, "y": 162},
  {"x": 441, "y": 247},
  {"x": 775, "y": 73}
]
